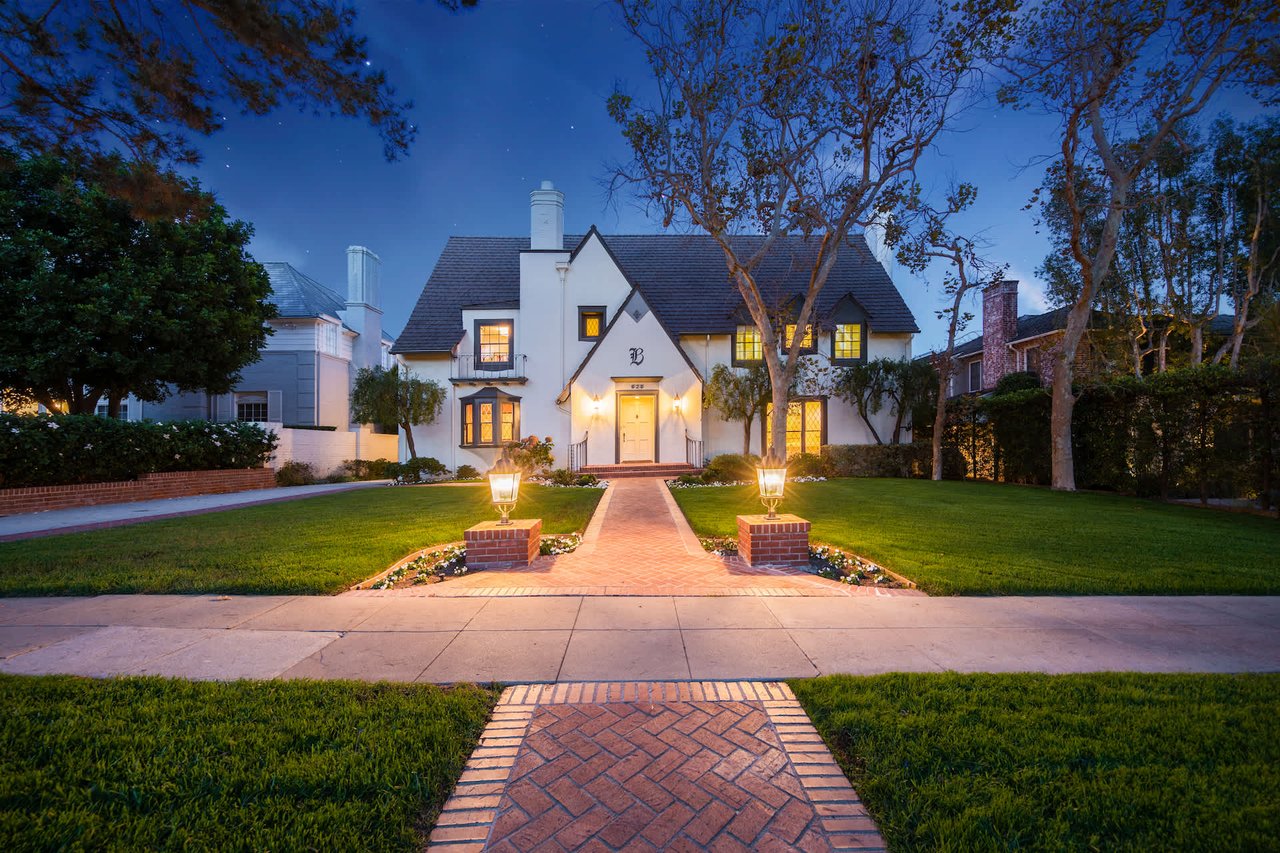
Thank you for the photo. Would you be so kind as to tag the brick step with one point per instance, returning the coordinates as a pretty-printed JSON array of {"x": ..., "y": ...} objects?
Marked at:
[{"x": 608, "y": 472}]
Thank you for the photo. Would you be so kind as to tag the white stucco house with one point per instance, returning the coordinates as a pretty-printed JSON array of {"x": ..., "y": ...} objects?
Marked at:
[{"x": 603, "y": 343}]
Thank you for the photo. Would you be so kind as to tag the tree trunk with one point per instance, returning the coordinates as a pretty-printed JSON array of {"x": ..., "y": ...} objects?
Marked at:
[
  {"x": 1197, "y": 344},
  {"x": 778, "y": 423},
  {"x": 113, "y": 405},
  {"x": 1064, "y": 400},
  {"x": 940, "y": 423},
  {"x": 1162, "y": 351},
  {"x": 897, "y": 425},
  {"x": 746, "y": 436},
  {"x": 408, "y": 439}
]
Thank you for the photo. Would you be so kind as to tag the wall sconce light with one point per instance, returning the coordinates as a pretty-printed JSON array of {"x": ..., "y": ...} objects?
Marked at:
[
  {"x": 677, "y": 404},
  {"x": 594, "y": 406},
  {"x": 504, "y": 486},
  {"x": 771, "y": 474}
]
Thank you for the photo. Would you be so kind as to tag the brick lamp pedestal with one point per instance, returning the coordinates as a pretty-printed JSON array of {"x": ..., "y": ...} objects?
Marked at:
[
  {"x": 781, "y": 541},
  {"x": 491, "y": 545}
]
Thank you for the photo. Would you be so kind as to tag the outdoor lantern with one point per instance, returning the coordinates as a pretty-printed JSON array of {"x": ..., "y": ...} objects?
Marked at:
[
  {"x": 677, "y": 404},
  {"x": 771, "y": 474},
  {"x": 595, "y": 405},
  {"x": 504, "y": 486}
]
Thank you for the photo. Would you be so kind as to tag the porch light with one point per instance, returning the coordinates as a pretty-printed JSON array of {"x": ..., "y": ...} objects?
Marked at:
[
  {"x": 771, "y": 475},
  {"x": 504, "y": 486},
  {"x": 677, "y": 404},
  {"x": 595, "y": 405}
]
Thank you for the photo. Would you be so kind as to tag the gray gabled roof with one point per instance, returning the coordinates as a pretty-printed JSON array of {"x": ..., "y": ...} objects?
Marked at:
[{"x": 682, "y": 277}]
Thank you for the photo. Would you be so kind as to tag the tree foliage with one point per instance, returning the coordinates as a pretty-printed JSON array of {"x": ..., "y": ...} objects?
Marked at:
[
  {"x": 79, "y": 77},
  {"x": 778, "y": 118},
  {"x": 902, "y": 384},
  {"x": 739, "y": 395},
  {"x": 387, "y": 396},
  {"x": 103, "y": 304}
]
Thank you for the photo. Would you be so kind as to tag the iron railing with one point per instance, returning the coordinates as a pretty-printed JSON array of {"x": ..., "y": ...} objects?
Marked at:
[
  {"x": 468, "y": 368},
  {"x": 692, "y": 450},
  {"x": 578, "y": 454}
]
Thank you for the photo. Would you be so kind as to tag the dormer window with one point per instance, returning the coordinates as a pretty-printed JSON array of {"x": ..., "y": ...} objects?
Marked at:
[
  {"x": 748, "y": 345},
  {"x": 495, "y": 341},
  {"x": 847, "y": 343},
  {"x": 806, "y": 343},
  {"x": 590, "y": 322}
]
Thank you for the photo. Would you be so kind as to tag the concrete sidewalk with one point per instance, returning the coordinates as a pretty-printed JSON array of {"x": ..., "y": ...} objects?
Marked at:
[
  {"x": 573, "y": 638},
  {"x": 32, "y": 524}
]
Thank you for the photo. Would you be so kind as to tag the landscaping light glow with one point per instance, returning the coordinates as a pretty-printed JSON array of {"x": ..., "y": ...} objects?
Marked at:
[
  {"x": 771, "y": 475},
  {"x": 504, "y": 486}
]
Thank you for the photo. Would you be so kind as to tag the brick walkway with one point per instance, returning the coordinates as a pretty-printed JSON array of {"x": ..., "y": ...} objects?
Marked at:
[
  {"x": 638, "y": 543},
  {"x": 731, "y": 766}
]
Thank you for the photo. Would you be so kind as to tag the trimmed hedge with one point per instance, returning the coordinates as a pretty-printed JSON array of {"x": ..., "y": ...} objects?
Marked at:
[
  {"x": 1204, "y": 432},
  {"x": 57, "y": 450},
  {"x": 890, "y": 460}
]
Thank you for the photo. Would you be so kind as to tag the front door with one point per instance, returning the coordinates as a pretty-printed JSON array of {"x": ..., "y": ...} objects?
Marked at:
[{"x": 635, "y": 427}]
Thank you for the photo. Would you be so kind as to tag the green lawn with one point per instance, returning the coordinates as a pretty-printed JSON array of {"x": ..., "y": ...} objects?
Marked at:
[
  {"x": 1079, "y": 762},
  {"x": 316, "y": 545},
  {"x": 958, "y": 538},
  {"x": 139, "y": 764}
]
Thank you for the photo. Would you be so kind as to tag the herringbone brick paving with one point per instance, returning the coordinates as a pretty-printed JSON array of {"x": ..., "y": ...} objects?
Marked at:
[
  {"x": 684, "y": 766},
  {"x": 640, "y": 544}
]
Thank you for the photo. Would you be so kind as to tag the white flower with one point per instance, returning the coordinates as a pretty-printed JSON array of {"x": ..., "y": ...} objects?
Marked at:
[{"x": 52, "y": 425}]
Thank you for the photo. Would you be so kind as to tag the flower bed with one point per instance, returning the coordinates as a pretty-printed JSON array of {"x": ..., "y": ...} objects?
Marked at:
[
  {"x": 450, "y": 561},
  {"x": 688, "y": 481},
  {"x": 825, "y": 561}
]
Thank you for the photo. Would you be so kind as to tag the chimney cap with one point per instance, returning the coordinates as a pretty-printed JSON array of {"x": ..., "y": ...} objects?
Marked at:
[{"x": 547, "y": 185}]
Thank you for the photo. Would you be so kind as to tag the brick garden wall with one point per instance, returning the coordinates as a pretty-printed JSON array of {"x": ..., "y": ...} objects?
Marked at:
[
  {"x": 783, "y": 541},
  {"x": 170, "y": 484}
]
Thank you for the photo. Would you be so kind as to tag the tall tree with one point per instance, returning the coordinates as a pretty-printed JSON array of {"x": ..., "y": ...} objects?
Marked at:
[
  {"x": 79, "y": 77},
  {"x": 922, "y": 235},
  {"x": 1122, "y": 76},
  {"x": 382, "y": 396},
  {"x": 793, "y": 117},
  {"x": 100, "y": 303},
  {"x": 1248, "y": 164},
  {"x": 739, "y": 395}
]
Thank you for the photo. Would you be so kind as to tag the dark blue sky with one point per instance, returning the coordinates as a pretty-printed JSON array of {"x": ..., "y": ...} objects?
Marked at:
[{"x": 507, "y": 95}]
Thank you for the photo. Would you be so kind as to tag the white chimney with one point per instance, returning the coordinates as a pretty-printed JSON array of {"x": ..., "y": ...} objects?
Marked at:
[
  {"x": 363, "y": 312},
  {"x": 546, "y": 218}
]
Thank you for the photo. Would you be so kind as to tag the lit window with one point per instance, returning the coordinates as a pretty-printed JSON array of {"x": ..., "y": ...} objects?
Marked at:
[
  {"x": 590, "y": 323},
  {"x": 847, "y": 342},
  {"x": 748, "y": 346},
  {"x": 490, "y": 417},
  {"x": 805, "y": 344},
  {"x": 804, "y": 426},
  {"x": 493, "y": 344}
]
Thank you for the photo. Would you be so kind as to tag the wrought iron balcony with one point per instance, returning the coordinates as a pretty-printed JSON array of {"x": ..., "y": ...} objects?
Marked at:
[{"x": 469, "y": 370}]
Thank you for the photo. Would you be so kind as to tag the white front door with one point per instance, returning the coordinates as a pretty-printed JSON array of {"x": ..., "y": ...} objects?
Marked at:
[{"x": 635, "y": 426}]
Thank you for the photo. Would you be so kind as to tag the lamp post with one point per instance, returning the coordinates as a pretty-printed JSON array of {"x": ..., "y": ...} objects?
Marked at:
[
  {"x": 504, "y": 486},
  {"x": 771, "y": 476}
]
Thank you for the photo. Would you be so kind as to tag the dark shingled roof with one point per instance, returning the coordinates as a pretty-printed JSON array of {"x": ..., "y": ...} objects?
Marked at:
[
  {"x": 298, "y": 296},
  {"x": 682, "y": 278}
]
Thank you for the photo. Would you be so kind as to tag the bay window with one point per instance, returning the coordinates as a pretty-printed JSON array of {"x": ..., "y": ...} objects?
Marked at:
[
  {"x": 490, "y": 418},
  {"x": 806, "y": 425}
]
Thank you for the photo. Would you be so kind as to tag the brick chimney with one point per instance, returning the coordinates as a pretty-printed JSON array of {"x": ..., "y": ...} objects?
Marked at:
[
  {"x": 546, "y": 218},
  {"x": 999, "y": 327}
]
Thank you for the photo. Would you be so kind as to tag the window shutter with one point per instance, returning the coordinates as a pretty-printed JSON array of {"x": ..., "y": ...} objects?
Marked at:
[
  {"x": 224, "y": 408},
  {"x": 275, "y": 406}
]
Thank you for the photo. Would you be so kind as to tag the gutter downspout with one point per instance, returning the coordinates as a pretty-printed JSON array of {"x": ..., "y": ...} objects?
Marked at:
[{"x": 562, "y": 267}]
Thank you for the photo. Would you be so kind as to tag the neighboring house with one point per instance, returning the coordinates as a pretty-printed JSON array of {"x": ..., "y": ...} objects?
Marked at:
[
  {"x": 1012, "y": 344},
  {"x": 603, "y": 343},
  {"x": 302, "y": 381}
]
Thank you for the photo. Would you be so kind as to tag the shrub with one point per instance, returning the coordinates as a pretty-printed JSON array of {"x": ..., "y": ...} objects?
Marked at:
[
  {"x": 806, "y": 465},
  {"x": 730, "y": 468},
  {"x": 586, "y": 480},
  {"x": 562, "y": 477},
  {"x": 367, "y": 469},
  {"x": 890, "y": 460},
  {"x": 531, "y": 454},
  {"x": 295, "y": 474},
  {"x": 689, "y": 480},
  {"x": 419, "y": 469},
  {"x": 467, "y": 472},
  {"x": 51, "y": 450}
]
